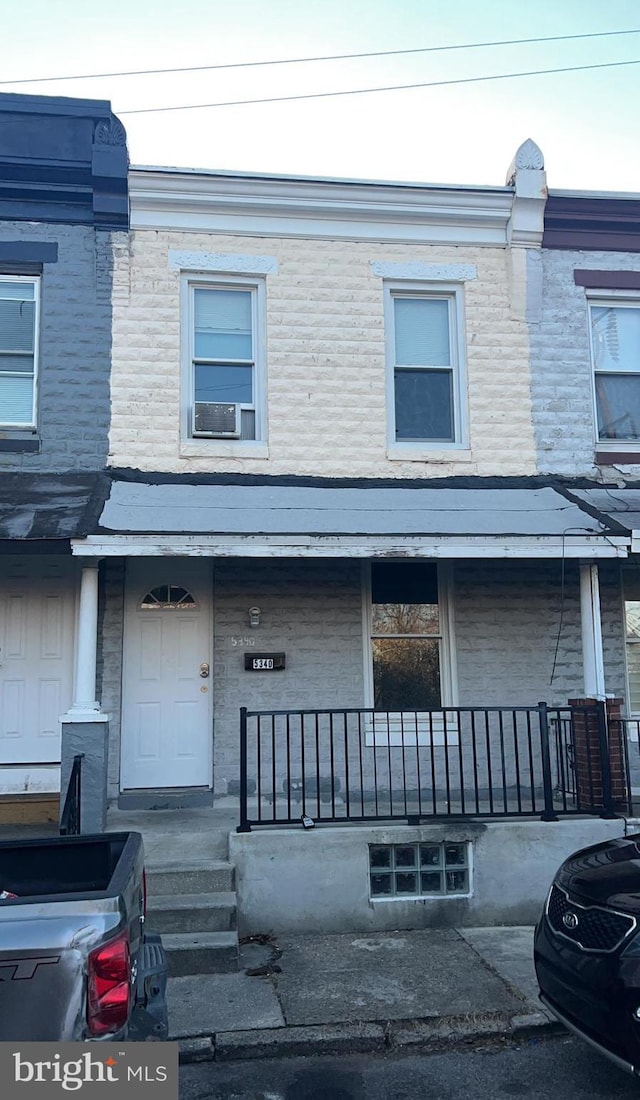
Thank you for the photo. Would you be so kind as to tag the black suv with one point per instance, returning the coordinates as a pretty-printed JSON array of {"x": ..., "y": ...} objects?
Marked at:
[{"x": 587, "y": 948}]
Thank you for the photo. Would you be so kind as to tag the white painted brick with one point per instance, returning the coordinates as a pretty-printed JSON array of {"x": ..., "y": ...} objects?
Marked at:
[
  {"x": 325, "y": 360},
  {"x": 561, "y": 383}
]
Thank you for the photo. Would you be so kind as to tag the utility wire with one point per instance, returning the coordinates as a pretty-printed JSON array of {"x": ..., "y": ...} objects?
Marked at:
[
  {"x": 366, "y": 91},
  {"x": 328, "y": 57}
]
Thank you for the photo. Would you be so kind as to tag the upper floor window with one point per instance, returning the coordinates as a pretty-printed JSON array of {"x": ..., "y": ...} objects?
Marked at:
[
  {"x": 615, "y": 351},
  {"x": 18, "y": 350},
  {"x": 425, "y": 363},
  {"x": 225, "y": 383}
]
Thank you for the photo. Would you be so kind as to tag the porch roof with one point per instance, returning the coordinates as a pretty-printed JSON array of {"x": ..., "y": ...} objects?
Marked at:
[
  {"x": 619, "y": 505},
  {"x": 39, "y": 506},
  {"x": 293, "y": 517}
]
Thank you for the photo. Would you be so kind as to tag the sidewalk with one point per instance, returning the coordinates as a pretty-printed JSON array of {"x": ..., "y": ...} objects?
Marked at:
[{"x": 361, "y": 992}]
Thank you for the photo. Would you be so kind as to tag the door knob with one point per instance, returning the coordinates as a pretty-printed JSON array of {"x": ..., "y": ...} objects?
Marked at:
[{"x": 204, "y": 670}]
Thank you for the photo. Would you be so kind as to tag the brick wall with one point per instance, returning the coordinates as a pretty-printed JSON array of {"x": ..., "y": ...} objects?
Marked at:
[
  {"x": 507, "y": 622},
  {"x": 75, "y": 347},
  {"x": 561, "y": 372},
  {"x": 109, "y": 672},
  {"x": 325, "y": 362},
  {"x": 310, "y": 610}
]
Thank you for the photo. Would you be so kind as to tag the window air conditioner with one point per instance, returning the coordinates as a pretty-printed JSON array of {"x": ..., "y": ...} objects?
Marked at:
[{"x": 214, "y": 418}]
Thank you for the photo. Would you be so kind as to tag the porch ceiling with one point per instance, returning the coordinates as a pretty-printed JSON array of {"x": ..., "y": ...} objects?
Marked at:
[{"x": 149, "y": 515}]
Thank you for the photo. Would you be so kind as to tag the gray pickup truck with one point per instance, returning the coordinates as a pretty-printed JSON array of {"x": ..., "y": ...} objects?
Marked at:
[{"x": 76, "y": 962}]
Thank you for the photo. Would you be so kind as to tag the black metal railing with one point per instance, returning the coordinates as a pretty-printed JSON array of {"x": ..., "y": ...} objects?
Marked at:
[
  {"x": 70, "y": 818},
  {"x": 365, "y": 765}
]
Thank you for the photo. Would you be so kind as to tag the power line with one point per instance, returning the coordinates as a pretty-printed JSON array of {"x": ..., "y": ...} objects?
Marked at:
[
  {"x": 328, "y": 57},
  {"x": 387, "y": 88}
]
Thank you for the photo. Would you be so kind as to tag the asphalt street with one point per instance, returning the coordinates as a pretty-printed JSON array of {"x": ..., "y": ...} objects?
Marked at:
[{"x": 537, "y": 1070}]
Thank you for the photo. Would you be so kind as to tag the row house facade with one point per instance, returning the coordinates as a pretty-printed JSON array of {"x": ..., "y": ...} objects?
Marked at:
[
  {"x": 63, "y": 220},
  {"x": 328, "y": 494}
]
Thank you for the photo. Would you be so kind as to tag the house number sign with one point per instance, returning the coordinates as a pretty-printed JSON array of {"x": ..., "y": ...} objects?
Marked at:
[{"x": 264, "y": 662}]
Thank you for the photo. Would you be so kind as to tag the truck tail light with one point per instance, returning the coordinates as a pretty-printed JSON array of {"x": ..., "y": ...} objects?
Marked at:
[
  {"x": 109, "y": 986},
  {"x": 144, "y": 892}
]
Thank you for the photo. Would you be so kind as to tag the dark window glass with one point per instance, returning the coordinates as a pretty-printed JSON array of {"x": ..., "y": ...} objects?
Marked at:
[
  {"x": 224, "y": 383},
  {"x": 456, "y": 882},
  {"x": 406, "y": 882},
  {"x": 430, "y": 882},
  {"x": 618, "y": 400},
  {"x": 406, "y": 673},
  {"x": 424, "y": 405},
  {"x": 404, "y": 582},
  {"x": 430, "y": 855},
  {"x": 381, "y": 885},
  {"x": 405, "y": 857}
]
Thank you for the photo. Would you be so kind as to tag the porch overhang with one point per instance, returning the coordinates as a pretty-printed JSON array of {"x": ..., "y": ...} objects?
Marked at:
[
  {"x": 622, "y": 505},
  {"x": 279, "y": 546},
  {"x": 48, "y": 509},
  {"x": 148, "y": 515}
]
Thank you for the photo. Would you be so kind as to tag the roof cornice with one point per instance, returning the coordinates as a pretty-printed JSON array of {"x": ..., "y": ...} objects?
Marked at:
[
  {"x": 297, "y": 207},
  {"x": 604, "y": 222}
]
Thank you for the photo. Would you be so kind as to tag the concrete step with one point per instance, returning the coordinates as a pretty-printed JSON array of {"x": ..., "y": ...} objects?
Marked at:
[
  {"x": 201, "y": 953},
  {"x": 162, "y": 847},
  {"x": 193, "y": 877},
  {"x": 192, "y": 913}
]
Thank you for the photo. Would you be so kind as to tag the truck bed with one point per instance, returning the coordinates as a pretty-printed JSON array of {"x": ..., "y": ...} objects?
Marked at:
[{"x": 61, "y": 866}]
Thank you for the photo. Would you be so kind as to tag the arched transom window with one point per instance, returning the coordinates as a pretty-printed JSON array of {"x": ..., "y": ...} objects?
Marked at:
[{"x": 168, "y": 597}]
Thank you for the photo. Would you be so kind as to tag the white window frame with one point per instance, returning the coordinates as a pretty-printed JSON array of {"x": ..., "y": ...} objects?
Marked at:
[
  {"x": 393, "y": 730},
  {"x": 453, "y": 294},
  {"x": 34, "y": 281},
  {"x": 605, "y": 299},
  {"x": 630, "y": 580},
  {"x": 257, "y": 287}
]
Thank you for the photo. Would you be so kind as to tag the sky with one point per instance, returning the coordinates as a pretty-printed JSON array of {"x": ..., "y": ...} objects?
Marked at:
[{"x": 584, "y": 122}]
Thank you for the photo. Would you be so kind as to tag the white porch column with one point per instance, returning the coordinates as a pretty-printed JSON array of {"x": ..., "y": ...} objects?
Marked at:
[
  {"x": 85, "y": 729},
  {"x": 592, "y": 655},
  {"x": 84, "y": 688}
]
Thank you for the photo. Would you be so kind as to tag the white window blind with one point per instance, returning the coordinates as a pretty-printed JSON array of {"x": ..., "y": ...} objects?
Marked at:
[
  {"x": 422, "y": 332},
  {"x": 223, "y": 324}
]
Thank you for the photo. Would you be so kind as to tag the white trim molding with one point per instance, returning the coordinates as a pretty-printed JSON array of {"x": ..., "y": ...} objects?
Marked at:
[
  {"x": 433, "y": 273},
  {"x": 230, "y": 263},
  {"x": 253, "y": 205},
  {"x": 352, "y": 546}
]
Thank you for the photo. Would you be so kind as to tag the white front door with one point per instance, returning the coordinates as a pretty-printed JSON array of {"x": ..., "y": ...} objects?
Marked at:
[
  {"x": 37, "y": 609},
  {"x": 166, "y": 681}
]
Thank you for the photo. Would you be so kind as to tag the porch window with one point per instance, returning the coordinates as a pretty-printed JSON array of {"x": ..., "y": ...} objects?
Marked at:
[
  {"x": 409, "y": 666},
  {"x": 405, "y": 636}
]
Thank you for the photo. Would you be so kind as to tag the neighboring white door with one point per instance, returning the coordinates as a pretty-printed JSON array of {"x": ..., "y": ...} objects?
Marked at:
[
  {"x": 37, "y": 611},
  {"x": 166, "y": 682}
]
